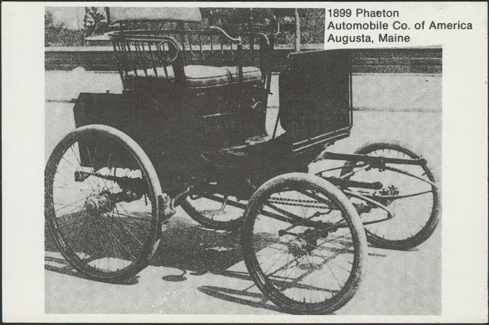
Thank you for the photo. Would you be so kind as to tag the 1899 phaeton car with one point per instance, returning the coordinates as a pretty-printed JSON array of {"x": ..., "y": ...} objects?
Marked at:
[{"x": 189, "y": 130}]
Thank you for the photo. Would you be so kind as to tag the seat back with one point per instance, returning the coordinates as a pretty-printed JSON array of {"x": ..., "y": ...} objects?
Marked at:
[
  {"x": 164, "y": 54},
  {"x": 141, "y": 54}
]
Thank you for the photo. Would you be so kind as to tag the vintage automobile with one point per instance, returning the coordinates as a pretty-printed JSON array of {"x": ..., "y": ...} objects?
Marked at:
[{"x": 189, "y": 131}]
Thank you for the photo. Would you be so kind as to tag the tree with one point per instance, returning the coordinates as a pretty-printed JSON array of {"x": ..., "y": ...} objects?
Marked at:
[
  {"x": 56, "y": 34},
  {"x": 95, "y": 21},
  {"x": 233, "y": 20}
]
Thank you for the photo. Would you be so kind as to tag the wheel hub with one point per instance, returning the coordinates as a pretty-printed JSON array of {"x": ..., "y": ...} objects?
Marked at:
[
  {"x": 305, "y": 243},
  {"x": 297, "y": 247},
  {"x": 98, "y": 204},
  {"x": 391, "y": 190}
]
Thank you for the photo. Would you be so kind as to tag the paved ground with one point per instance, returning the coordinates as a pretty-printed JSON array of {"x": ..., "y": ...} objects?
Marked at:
[{"x": 188, "y": 276}]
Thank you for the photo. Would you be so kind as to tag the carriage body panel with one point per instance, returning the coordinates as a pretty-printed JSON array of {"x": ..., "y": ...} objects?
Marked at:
[
  {"x": 315, "y": 98},
  {"x": 175, "y": 123}
]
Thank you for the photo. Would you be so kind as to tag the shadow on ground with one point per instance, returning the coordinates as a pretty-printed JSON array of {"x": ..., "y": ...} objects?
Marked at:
[
  {"x": 184, "y": 245},
  {"x": 195, "y": 251},
  {"x": 192, "y": 249}
]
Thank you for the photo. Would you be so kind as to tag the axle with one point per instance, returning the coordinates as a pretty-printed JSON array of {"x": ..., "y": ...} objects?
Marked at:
[
  {"x": 134, "y": 185},
  {"x": 106, "y": 201}
]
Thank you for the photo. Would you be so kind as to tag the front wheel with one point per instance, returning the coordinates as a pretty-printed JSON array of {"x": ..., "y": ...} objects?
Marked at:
[
  {"x": 303, "y": 244},
  {"x": 101, "y": 203},
  {"x": 409, "y": 191}
]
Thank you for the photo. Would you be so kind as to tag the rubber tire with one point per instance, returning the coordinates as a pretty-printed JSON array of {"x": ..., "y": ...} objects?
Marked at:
[
  {"x": 358, "y": 235},
  {"x": 154, "y": 186},
  {"x": 232, "y": 225},
  {"x": 430, "y": 227}
]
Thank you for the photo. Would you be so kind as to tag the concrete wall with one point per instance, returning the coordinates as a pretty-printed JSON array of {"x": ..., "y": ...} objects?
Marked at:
[{"x": 414, "y": 60}]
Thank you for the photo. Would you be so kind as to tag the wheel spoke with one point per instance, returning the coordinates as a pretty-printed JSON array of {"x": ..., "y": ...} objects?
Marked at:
[
  {"x": 64, "y": 206},
  {"x": 133, "y": 258},
  {"x": 118, "y": 222}
]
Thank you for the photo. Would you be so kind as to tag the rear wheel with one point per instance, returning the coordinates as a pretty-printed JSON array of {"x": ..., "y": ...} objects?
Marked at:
[
  {"x": 101, "y": 203},
  {"x": 303, "y": 244},
  {"x": 408, "y": 191}
]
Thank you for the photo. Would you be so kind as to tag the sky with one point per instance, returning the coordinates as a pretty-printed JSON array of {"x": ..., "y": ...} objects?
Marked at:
[{"x": 70, "y": 17}]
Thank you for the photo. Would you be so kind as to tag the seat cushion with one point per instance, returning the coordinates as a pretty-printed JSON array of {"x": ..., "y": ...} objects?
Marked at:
[
  {"x": 250, "y": 74},
  {"x": 201, "y": 76}
]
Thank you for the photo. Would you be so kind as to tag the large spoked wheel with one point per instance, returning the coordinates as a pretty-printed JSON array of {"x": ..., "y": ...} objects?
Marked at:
[
  {"x": 217, "y": 211},
  {"x": 101, "y": 203},
  {"x": 408, "y": 191},
  {"x": 303, "y": 244}
]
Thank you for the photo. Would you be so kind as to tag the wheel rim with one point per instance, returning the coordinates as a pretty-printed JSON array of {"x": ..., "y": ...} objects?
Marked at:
[
  {"x": 415, "y": 208},
  {"x": 305, "y": 271},
  {"x": 97, "y": 231}
]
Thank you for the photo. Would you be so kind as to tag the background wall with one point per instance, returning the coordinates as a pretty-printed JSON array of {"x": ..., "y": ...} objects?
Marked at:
[{"x": 417, "y": 60}]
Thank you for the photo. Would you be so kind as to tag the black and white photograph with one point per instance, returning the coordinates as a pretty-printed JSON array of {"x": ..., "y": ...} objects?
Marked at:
[{"x": 262, "y": 159}]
